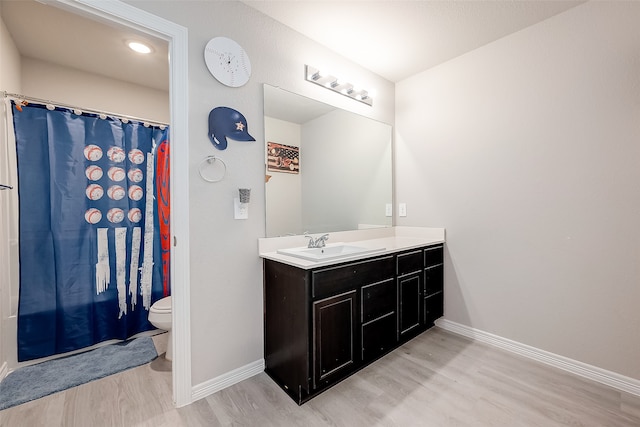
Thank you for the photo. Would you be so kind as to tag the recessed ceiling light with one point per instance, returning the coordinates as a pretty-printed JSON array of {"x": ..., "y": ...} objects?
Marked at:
[{"x": 139, "y": 47}]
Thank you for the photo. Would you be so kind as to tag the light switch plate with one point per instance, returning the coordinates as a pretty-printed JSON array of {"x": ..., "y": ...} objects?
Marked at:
[
  {"x": 402, "y": 209},
  {"x": 388, "y": 209}
]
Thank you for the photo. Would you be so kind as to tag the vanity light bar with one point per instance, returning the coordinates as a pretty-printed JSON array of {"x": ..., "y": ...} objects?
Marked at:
[{"x": 330, "y": 82}]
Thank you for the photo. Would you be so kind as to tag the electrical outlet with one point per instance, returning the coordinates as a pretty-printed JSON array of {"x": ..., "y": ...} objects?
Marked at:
[
  {"x": 402, "y": 209},
  {"x": 388, "y": 209},
  {"x": 240, "y": 210}
]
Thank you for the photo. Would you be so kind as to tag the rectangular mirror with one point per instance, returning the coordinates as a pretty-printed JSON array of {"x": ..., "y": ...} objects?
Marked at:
[{"x": 327, "y": 169}]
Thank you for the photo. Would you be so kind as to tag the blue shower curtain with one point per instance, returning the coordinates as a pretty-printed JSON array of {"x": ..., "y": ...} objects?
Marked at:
[{"x": 93, "y": 197}]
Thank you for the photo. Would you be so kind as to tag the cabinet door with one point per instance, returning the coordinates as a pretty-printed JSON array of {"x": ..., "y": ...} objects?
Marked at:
[
  {"x": 409, "y": 300},
  {"x": 334, "y": 322}
]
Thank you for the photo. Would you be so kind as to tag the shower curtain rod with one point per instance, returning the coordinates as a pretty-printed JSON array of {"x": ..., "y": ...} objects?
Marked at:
[{"x": 19, "y": 97}]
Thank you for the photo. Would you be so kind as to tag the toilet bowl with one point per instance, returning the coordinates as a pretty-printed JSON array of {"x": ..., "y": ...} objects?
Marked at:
[{"x": 160, "y": 317}]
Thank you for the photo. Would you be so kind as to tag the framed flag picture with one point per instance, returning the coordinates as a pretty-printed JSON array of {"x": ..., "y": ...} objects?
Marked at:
[{"x": 283, "y": 158}]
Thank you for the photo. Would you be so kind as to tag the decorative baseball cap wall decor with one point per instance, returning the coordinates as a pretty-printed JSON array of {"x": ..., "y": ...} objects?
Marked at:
[{"x": 225, "y": 122}]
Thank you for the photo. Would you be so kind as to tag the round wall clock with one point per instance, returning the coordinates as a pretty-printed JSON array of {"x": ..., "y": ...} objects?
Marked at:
[{"x": 227, "y": 61}]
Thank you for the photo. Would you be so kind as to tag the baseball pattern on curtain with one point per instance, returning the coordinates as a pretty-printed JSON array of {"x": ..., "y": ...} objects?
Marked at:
[{"x": 93, "y": 247}]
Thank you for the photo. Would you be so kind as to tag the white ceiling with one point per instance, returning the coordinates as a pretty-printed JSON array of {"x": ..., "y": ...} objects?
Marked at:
[
  {"x": 399, "y": 38},
  {"x": 392, "y": 38}
]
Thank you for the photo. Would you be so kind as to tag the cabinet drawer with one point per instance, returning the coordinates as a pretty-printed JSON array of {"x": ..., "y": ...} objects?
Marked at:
[
  {"x": 433, "y": 256},
  {"x": 378, "y": 299},
  {"x": 433, "y": 280},
  {"x": 378, "y": 337},
  {"x": 433, "y": 308},
  {"x": 409, "y": 262},
  {"x": 333, "y": 280}
]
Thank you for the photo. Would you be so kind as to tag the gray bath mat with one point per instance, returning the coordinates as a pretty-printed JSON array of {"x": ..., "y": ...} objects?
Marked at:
[{"x": 35, "y": 381}]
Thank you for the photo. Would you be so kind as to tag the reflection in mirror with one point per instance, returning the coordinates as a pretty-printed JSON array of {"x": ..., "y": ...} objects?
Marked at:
[{"x": 327, "y": 169}]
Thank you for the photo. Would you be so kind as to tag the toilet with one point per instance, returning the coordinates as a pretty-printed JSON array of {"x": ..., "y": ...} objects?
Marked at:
[{"x": 160, "y": 317}]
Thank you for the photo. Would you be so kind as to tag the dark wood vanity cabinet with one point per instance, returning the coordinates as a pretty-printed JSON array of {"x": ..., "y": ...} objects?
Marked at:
[{"x": 325, "y": 323}]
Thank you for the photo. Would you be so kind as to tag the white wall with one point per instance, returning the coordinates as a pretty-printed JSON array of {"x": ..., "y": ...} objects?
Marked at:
[
  {"x": 527, "y": 151},
  {"x": 49, "y": 81},
  {"x": 10, "y": 64},
  {"x": 10, "y": 82},
  {"x": 226, "y": 272},
  {"x": 283, "y": 198}
]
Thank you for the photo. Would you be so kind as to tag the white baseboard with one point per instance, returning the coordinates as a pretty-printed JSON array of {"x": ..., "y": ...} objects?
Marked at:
[
  {"x": 609, "y": 378},
  {"x": 4, "y": 371},
  {"x": 214, "y": 385}
]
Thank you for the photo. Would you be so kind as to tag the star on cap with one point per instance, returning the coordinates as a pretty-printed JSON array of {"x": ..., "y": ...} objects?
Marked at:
[{"x": 239, "y": 126}]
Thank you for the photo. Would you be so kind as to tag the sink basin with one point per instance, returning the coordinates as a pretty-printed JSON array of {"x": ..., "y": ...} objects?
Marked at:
[{"x": 333, "y": 251}]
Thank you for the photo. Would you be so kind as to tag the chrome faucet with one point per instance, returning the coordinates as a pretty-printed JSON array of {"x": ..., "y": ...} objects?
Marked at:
[{"x": 318, "y": 242}]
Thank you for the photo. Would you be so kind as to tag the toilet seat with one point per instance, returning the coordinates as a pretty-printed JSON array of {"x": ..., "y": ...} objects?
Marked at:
[{"x": 162, "y": 305}]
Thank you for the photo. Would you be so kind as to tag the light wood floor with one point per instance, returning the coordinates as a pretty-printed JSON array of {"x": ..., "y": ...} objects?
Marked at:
[{"x": 438, "y": 379}]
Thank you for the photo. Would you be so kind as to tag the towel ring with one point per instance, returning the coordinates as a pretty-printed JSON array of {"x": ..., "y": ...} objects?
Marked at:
[{"x": 210, "y": 160}]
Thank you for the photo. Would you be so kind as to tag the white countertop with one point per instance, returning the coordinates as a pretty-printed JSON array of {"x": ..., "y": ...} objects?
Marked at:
[{"x": 392, "y": 239}]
